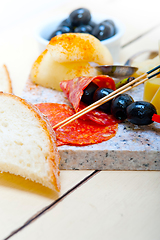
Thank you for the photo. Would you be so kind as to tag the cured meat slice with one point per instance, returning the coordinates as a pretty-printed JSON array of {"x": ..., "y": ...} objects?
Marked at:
[
  {"x": 73, "y": 89},
  {"x": 97, "y": 116},
  {"x": 79, "y": 132}
]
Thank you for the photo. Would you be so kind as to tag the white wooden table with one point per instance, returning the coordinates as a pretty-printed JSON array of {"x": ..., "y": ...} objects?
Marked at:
[{"x": 92, "y": 204}]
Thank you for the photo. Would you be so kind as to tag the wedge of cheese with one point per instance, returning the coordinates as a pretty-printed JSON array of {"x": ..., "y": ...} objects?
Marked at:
[
  {"x": 79, "y": 47},
  {"x": 150, "y": 88},
  {"x": 69, "y": 56},
  {"x": 145, "y": 66},
  {"x": 49, "y": 73},
  {"x": 156, "y": 101}
]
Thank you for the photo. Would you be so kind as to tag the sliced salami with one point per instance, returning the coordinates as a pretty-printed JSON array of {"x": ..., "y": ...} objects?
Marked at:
[
  {"x": 73, "y": 89},
  {"x": 79, "y": 132}
]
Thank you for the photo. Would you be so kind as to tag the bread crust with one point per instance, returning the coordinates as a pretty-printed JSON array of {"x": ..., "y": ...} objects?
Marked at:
[
  {"x": 10, "y": 89},
  {"x": 53, "y": 158}
]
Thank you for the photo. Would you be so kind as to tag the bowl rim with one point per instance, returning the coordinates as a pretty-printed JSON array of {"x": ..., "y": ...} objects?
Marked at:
[{"x": 97, "y": 18}]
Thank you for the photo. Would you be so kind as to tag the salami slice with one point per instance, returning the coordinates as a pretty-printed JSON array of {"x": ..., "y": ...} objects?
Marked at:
[
  {"x": 73, "y": 89},
  {"x": 79, "y": 132}
]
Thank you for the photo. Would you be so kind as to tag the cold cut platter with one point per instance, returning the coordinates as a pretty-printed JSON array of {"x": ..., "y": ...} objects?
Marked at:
[
  {"x": 132, "y": 148},
  {"x": 58, "y": 86}
]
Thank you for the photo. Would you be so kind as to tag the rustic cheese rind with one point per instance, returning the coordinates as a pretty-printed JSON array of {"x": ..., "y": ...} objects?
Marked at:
[
  {"x": 49, "y": 73},
  {"x": 79, "y": 47}
]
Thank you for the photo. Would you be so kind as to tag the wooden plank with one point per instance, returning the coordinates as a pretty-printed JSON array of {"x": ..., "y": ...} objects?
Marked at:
[
  {"x": 112, "y": 205},
  {"x": 21, "y": 199},
  {"x": 148, "y": 41}
]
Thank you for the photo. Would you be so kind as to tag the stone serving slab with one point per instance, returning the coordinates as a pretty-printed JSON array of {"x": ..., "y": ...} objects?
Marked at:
[{"x": 133, "y": 148}]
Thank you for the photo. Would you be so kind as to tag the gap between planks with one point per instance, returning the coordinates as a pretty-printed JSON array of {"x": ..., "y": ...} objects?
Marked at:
[
  {"x": 50, "y": 206},
  {"x": 140, "y": 36}
]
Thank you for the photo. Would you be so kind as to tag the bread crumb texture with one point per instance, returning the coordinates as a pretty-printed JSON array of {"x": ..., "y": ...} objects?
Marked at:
[
  {"x": 27, "y": 142},
  {"x": 5, "y": 81}
]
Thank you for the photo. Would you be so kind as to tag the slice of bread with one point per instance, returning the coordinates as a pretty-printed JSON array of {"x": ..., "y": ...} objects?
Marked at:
[
  {"x": 27, "y": 142},
  {"x": 5, "y": 81}
]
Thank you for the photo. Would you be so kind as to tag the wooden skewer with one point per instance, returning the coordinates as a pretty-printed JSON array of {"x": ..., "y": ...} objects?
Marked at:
[
  {"x": 99, "y": 101},
  {"x": 115, "y": 93}
]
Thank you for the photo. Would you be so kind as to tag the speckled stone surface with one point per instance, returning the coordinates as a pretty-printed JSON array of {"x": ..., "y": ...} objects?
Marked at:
[{"x": 133, "y": 148}]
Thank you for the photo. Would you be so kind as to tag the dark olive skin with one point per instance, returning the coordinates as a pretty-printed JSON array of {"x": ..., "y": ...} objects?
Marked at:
[
  {"x": 80, "y": 16},
  {"x": 80, "y": 21},
  {"x": 112, "y": 23},
  {"x": 119, "y": 105},
  {"x": 66, "y": 22},
  {"x": 88, "y": 93},
  {"x": 100, "y": 93},
  {"x": 140, "y": 113},
  {"x": 60, "y": 30},
  {"x": 83, "y": 29},
  {"x": 103, "y": 30},
  {"x": 92, "y": 24}
]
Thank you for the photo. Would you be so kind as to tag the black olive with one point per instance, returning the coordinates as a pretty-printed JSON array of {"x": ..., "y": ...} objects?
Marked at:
[
  {"x": 140, "y": 112},
  {"x": 119, "y": 105},
  {"x": 60, "y": 30},
  {"x": 92, "y": 24},
  {"x": 112, "y": 23},
  {"x": 103, "y": 30},
  {"x": 80, "y": 16},
  {"x": 83, "y": 29},
  {"x": 66, "y": 22},
  {"x": 100, "y": 93},
  {"x": 88, "y": 93}
]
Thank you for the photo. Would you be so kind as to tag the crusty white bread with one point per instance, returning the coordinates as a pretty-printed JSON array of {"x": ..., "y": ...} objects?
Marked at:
[
  {"x": 5, "y": 81},
  {"x": 27, "y": 142}
]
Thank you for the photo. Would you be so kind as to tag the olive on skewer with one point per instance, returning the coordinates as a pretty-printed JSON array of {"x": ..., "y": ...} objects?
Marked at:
[
  {"x": 100, "y": 93},
  {"x": 121, "y": 107},
  {"x": 88, "y": 93},
  {"x": 140, "y": 112}
]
